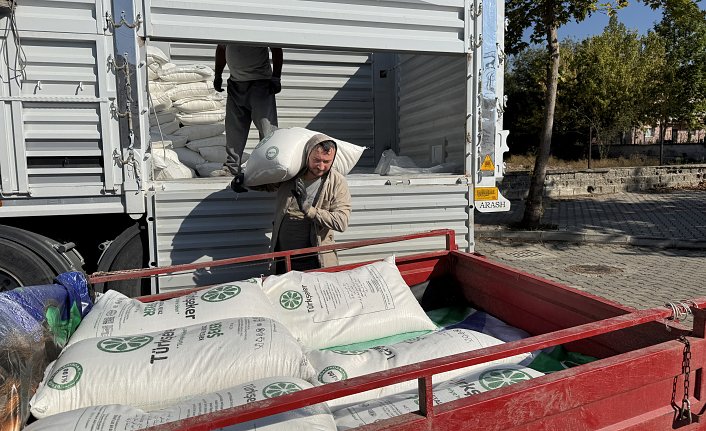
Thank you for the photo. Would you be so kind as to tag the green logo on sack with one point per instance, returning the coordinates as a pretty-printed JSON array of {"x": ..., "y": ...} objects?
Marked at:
[
  {"x": 221, "y": 293},
  {"x": 290, "y": 300},
  {"x": 66, "y": 377},
  {"x": 280, "y": 388},
  {"x": 271, "y": 153},
  {"x": 494, "y": 379},
  {"x": 124, "y": 344},
  {"x": 349, "y": 352},
  {"x": 264, "y": 140},
  {"x": 332, "y": 373}
]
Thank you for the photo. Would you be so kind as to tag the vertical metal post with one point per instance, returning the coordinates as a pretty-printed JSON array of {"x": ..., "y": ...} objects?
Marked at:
[{"x": 590, "y": 145}]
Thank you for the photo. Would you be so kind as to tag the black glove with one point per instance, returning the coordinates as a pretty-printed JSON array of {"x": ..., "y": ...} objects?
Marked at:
[
  {"x": 275, "y": 85},
  {"x": 299, "y": 193},
  {"x": 218, "y": 83},
  {"x": 237, "y": 183}
]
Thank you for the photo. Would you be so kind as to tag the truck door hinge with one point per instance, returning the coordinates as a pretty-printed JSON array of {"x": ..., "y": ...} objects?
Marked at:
[{"x": 111, "y": 25}]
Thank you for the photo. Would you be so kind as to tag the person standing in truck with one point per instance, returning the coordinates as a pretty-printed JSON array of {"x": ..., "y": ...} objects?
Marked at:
[
  {"x": 310, "y": 207},
  {"x": 252, "y": 86}
]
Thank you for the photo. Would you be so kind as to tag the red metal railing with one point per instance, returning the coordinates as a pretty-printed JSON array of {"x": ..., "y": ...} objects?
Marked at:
[
  {"x": 103, "y": 277},
  {"x": 423, "y": 371}
]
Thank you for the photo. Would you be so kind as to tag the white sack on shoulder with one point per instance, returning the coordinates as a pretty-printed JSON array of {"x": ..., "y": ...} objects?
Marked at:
[
  {"x": 280, "y": 156},
  {"x": 156, "y": 369},
  {"x": 115, "y": 314},
  {"x": 334, "y": 365},
  {"x": 120, "y": 417},
  {"x": 455, "y": 389},
  {"x": 332, "y": 309}
]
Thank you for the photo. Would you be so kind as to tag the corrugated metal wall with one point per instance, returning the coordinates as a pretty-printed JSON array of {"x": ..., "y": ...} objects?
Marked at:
[
  {"x": 327, "y": 91},
  {"x": 201, "y": 220},
  {"x": 393, "y": 25},
  {"x": 57, "y": 123},
  {"x": 432, "y": 107}
]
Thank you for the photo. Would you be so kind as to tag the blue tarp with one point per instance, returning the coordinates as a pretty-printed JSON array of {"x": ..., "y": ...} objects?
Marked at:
[{"x": 35, "y": 323}]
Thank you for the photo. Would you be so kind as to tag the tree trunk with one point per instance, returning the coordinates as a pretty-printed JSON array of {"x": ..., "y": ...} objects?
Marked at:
[{"x": 533, "y": 205}]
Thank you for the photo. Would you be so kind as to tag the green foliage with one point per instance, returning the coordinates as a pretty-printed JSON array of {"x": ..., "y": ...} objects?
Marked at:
[
  {"x": 610, "y": 75},
  {"x": 680, "y": 88}
]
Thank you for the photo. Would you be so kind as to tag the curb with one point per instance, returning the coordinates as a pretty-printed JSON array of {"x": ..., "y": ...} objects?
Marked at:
[{"x": 579, "y": 237}]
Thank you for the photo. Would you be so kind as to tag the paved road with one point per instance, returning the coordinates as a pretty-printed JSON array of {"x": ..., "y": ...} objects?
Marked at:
[{"x": 639, "y": 249}]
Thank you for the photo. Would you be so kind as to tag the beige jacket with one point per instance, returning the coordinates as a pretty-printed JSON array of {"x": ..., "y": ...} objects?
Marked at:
[{"x": 330, "y": 211}]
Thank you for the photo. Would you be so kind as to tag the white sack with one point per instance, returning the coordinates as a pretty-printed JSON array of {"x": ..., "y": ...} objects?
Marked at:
[
  {"x": 157, "y": 369},
  {"x": 280, "y": 156},
  {"x": 159, "y": 102},
  {"x": 191, "y": 89},
  {"x": 206, "y": 117},
  {"x": 168, "y": 167},
  {"x": 191, "y": 105},
  {"x": 186, "y": 73},
  {"x": 189, "y": 157},
  {"x": 115, "y": 314},
  {"x": 161, "y": 117},
  {"x": 214, "y": 154},
  {"x": 156, "y": 55},
  {"x": 213, "y": 141},
  {"x": 455, "y": 389},
  {"x": 201, "y": 131},
  {"x": 176, "y": 140},
  {"x": 165, "y": 128},
  {"x": 332, "y": 309},
  {"x": 119, "y": 417},
  {"x": 160, "y": 87},
  {"x": 205, "y": 169},
  {"x": 335, "y": 365}
]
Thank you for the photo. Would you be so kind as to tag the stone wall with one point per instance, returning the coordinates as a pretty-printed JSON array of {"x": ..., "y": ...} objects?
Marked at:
[{"x": 515, "y": 185}]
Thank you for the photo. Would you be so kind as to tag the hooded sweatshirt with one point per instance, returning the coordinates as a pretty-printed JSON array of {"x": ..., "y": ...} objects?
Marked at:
[{"x": 329, "y": 212}]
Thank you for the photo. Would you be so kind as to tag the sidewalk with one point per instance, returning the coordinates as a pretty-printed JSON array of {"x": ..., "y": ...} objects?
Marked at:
[{"x": 673, "y": 219}]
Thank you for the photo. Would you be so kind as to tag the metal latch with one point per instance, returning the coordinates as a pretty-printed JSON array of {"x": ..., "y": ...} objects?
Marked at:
[{"x": 112, "y": 25}]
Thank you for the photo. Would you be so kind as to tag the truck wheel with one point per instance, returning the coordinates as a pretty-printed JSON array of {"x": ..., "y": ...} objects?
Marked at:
[
  {"x": 127, "y": 251},
  {"x": 20, "y": 266},
  {"x": 37, "y": 258}
]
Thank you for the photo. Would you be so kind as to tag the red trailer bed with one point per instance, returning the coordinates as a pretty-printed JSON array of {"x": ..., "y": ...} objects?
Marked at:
[{"x": 649, "y": 375}]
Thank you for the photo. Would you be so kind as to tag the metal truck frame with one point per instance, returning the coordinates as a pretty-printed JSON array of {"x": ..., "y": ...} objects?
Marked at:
[{"x": 76, "y": 185}]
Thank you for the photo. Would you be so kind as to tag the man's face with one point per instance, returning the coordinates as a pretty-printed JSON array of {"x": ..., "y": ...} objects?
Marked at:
[{"x": 320, "y": 161}]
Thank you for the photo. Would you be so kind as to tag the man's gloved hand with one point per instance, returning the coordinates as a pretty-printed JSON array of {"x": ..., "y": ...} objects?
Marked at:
[
  {"x": 218, "y": 83},
  {"x": 237, "y": 183},
  {"x": 275, "y": 85},
  {"x": 299, "y": 193}
]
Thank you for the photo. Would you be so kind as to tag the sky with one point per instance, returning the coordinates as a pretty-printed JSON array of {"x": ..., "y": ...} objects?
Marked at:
[{"x": 636, "y": 16}]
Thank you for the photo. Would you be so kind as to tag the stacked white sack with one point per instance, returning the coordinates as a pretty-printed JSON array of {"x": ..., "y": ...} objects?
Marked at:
[
  {"x": 115, "y": 314},
  {"x": 460, "y": 387},
  {"x": 113, "y": 417},
  {"x": 333, "y": 309},
  {"x": 157, "y": 369},
  {"x": 335, "y": 365}
]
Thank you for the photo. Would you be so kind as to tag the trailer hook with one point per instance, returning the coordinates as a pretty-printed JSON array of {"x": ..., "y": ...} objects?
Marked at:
[{"x": 685, "y": 410}]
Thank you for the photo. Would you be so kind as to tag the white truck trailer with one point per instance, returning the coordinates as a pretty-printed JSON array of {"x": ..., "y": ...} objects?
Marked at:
[{"x": 76, "y": 178}]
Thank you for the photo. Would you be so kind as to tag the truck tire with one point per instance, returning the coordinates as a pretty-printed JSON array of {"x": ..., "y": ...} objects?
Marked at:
[
  {"x": 20, "y": 266},
  {"x": 27, "y": 258},
  {"x": 126, "y": 251}
]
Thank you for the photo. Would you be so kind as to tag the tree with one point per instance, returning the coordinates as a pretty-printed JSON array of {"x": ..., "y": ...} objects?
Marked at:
[
  {"x": 611, "y": 75},
  {"x": 679, "y": 93},
  {"x": 545, "y": 17}
]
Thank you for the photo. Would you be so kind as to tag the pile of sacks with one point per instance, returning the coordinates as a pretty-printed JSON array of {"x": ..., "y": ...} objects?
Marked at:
[
  {"x": 187, "y": 118},
  {"x": 130, "y": 365}
]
